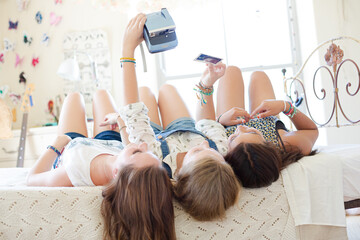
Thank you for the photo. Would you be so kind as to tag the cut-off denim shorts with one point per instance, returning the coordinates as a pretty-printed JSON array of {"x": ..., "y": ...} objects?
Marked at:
[{"x": 184, "y": 123}]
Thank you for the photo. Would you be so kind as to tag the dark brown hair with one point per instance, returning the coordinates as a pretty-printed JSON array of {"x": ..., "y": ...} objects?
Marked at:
[
  {"x": 259, "y": 164},
  {"x": 138, "y": 205},
  {"x": 206, "y": 188}
]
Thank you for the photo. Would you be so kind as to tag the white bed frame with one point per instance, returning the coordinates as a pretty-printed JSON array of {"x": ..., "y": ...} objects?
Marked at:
[{"x": 295, "y": 86}]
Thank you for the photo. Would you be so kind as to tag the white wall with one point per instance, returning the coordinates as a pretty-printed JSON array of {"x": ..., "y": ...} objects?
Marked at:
[{"x": 76, "y": 16}]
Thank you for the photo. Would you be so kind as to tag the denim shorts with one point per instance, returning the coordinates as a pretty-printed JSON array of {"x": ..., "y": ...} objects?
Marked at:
[
  {"x": 105, "y": 135},
  {"x": 184, "y": 123}
]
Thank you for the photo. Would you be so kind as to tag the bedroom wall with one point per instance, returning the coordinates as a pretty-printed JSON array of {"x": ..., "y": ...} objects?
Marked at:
[
  {"x": 321, "y": 20},
  {"x": 76, "y": 15}
]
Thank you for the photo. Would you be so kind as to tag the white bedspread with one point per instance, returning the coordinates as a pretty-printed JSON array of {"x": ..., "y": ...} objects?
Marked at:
[{"x": 74, "y": 213}]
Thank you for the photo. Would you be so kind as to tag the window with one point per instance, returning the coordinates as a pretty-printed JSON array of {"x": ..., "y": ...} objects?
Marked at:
[{"x": 253, "y": 35}]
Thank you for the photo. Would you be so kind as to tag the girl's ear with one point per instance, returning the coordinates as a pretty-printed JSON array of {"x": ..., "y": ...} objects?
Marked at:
[{"x": 115, "y": 172}]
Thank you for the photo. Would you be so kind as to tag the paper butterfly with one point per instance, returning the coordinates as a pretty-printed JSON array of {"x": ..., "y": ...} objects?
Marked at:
[
  {"x": 18, "y": 60},
  {"x": 58, "y": 1},
  {"x": 54, "y": 20},
  {"x": 13, "y": 25},
  {"x": 1, "y": 57},
  {"x": 22, "y": 4},
  {"x": 45, "y": 39},
  {"x": 8, "y": 45},
  {"x": 15, "y": 98},
  {"x": 35, "y": 61},
  {"x": 3, "y": 91},
  {"x": 38, "y": 17},
  {"x": 27, "y": 39},
  {"x": 22, "y": 79}
]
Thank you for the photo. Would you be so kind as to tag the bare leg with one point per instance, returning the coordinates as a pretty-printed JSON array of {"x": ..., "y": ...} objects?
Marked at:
[
  {"x": 103, "y": 103},
  {"x": 72, "y": 117},
  {"x": 147, "y": 97},
  {"x": 260, "y": 89},
  {"x": 171, "y": 105},
  {"x": 230, "y": 91}
]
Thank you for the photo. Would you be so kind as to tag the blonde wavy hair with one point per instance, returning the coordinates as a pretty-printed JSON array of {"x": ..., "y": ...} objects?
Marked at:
[{"x": 206, "y": 188}]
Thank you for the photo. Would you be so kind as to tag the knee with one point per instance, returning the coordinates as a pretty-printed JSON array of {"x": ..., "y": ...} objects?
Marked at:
[
  {"x": 145, "y": 91},
  {"x": 166, "y": 88},
  {"x": 258, "y": 76},
  {"x": 232, "y": 73},
  {"x": 233, "y": 70},
  {"x": 74, "y": 96}
]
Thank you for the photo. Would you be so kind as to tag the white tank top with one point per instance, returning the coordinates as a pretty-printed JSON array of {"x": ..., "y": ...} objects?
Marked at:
[{"x": 79, "y": 153}]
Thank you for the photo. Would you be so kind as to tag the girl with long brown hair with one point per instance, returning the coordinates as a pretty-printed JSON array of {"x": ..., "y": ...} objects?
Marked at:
[
  {"x": 137, "y": 195},
  {"x": 259, "y": 145}
]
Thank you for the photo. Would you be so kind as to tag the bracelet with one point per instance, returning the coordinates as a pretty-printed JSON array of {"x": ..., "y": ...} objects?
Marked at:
[
  {"x": 206, "y": 88},
  {"x": 200, "y": 95},
  {"x": 122, "y": 128},
  {"x": 54, "y": 149},
  {"x": 122, "y": 61},
  {"x": 126, "y": 58},
  {"x": 284, "y": 106},
  {"x": 218, "y": 119},
  {"x": 292, "y": 111}
]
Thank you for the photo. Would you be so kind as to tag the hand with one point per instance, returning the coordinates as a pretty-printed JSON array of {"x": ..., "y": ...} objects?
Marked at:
[
  {"x": 133, "y": 35},
  {"x": 268, "y": 108},
  {"x": 212, "y": 73},
  {"x": 110, "y": 119},
  {"x": 61, "y": 141},
  {"x": 234, "y": 116}
]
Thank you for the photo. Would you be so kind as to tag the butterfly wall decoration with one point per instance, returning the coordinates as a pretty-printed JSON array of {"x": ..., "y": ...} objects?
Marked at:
[
  {"x": 27, "y": 39},
  {"x": 13, "y": 25},
  {"x": 22, "y": 4},
  {"x": 18, "y": 60},
  {"x": 54, "y": 19},
  {"x": 15, "y": 98},
  {"x": 1, "y": 57},
  {"x": 3, "y": 91},
  {"x": 22, "y": 79},
  {"x": 8, "y": 45},
  {"x": 35, "y": 61},
  {"x": 38, "y": 17},
  {"x": 45, "y": 39}
]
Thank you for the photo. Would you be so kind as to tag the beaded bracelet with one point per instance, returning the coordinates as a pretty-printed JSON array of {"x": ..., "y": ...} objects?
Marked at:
[
  {"x": 291, "y": 112},
  {"x": 201, "y": 91},
  {"x": 54, "y": 149}
]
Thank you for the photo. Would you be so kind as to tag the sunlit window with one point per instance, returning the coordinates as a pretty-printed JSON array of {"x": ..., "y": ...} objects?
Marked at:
[{"x": 253, "y": 35}]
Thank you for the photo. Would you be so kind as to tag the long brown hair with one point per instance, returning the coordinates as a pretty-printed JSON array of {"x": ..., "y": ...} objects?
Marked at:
[
  {"x": 206, "y": 188},
  {"x": 138, "y": 205},
  {"x": 259, "y": 164}
]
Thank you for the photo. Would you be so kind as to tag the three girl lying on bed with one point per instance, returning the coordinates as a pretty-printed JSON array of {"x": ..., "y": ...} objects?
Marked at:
[{"x": 203, "y": 162}]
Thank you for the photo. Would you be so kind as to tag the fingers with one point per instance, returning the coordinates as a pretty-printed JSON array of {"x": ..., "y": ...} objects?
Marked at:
[
  {"x": 259, "y": 109},
  {"x": 240, "y": 112},
  {"x": 137, "y": 22}
]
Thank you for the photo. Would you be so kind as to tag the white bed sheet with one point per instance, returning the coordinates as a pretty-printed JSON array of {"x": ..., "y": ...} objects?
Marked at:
[
  {"x": 349, "y": 155},
  {"x": 73, "y": 213},
  {"x": 317, "y": 186}
]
